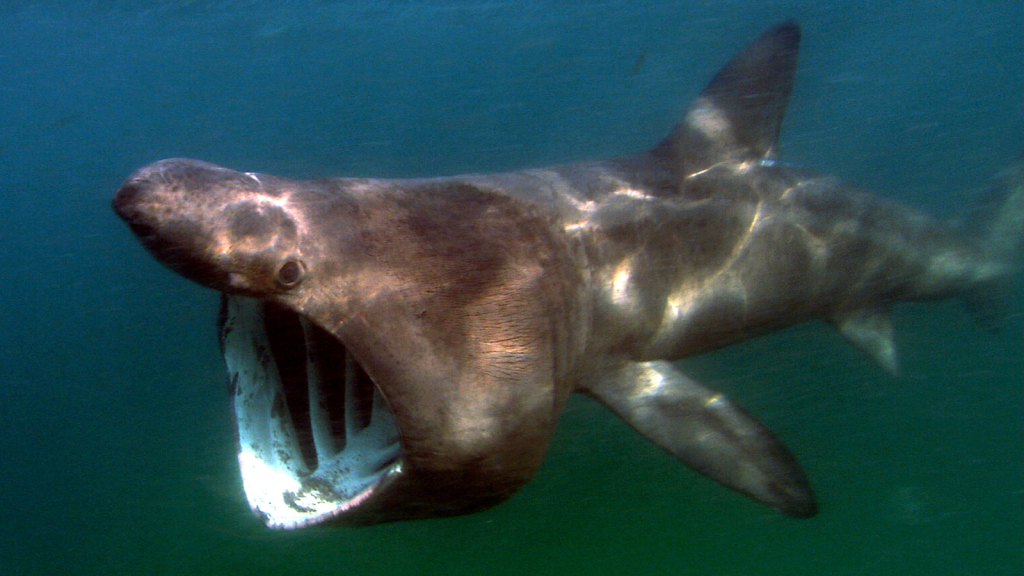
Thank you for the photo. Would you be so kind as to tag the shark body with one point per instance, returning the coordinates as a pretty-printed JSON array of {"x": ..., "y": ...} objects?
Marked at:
[{"x": 402, "y": 349}]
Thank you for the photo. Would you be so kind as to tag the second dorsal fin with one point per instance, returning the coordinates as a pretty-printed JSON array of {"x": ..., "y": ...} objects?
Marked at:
[{"x": 739, "y": 115}]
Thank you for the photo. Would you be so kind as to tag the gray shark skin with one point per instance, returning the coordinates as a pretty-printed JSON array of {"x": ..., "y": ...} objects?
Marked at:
[{"x": 402, "y": 349}]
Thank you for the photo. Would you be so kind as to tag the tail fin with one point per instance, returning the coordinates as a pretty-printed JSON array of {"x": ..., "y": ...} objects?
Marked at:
[{"x": 998, "y": 224}]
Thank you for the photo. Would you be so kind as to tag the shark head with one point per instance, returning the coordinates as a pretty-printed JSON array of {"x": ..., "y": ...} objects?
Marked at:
[
  {"x": 375, "y": 375},
  {"x": 217, "y": 227}
]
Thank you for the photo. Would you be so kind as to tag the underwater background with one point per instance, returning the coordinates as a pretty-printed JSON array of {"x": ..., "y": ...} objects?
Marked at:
[{"x": 116, "y": 444}]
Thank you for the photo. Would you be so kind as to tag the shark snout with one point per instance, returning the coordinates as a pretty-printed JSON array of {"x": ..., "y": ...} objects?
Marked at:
[
  {"x": 129, "y": 203},
  {"x": 145, "y": 194},
  {"x": 148, "y": 203}
]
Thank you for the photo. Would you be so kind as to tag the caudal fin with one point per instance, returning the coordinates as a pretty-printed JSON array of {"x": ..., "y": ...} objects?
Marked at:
[{"x": 997, "y": 222}]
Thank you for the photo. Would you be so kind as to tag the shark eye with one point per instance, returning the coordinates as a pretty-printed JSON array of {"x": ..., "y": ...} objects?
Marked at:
[{"x": 289, "y": 274}]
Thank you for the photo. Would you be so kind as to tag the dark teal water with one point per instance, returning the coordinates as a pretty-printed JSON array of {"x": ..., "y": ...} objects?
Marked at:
[{"x": 116, "y": 450}]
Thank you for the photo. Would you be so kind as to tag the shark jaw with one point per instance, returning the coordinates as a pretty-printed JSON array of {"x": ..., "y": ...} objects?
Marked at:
[{"x": 316, "y": 437}]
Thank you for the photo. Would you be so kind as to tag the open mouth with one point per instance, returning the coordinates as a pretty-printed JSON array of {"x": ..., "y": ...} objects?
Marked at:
[{"x": 315, "y": 435}]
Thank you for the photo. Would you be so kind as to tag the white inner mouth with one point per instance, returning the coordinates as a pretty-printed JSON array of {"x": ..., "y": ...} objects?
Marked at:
[{"x": 315, "y": 435}]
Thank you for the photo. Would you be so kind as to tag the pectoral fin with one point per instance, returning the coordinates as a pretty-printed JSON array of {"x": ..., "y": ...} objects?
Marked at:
[{"x": 707, "y": 432}]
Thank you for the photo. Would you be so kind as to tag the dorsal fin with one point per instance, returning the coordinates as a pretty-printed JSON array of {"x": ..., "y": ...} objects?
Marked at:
[{"x": 739, "y": 115}]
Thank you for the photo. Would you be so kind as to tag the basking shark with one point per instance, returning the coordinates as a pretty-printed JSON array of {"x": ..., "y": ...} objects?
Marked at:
[{"x": 402, "y": 349}]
